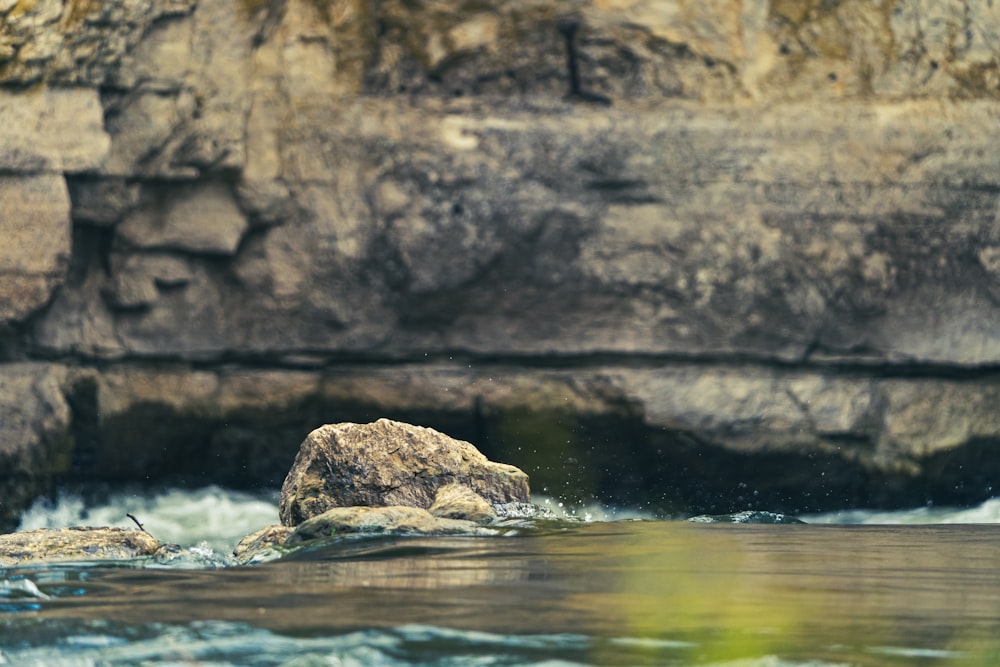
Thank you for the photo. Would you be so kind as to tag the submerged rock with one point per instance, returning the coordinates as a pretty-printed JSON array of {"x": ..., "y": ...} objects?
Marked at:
[
  {"x": 746, "y": 517},
  {"x": 73, "y": 544},
  {"x": 388, "y": 463}
]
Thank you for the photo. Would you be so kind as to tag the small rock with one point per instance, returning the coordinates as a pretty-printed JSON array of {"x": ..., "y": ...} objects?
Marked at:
[
  {"x": 391, "y": 520},
  {"x": 72, "y": 544},
  {"x": 455, "y": 501},
  {"x": 257, "y": 541},
  {"x": 388, "y": 463}
]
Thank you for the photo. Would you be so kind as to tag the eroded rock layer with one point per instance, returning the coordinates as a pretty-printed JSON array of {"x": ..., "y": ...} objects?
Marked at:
[{"x": 745, "y": 251}]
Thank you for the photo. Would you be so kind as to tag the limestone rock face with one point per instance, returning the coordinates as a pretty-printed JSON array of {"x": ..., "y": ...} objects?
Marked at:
[
  {"x": 53, "y": 130},
  {"x": 759, "y": 232},
  {"x": 44, "y": 135},
  {"x": 199, "y": 220},
  {"x": 35, "y": 439},
  {"x": 34, "y": 255},
  {"x": 74, "y": 544},
  {"x": 388, "y": 463}
]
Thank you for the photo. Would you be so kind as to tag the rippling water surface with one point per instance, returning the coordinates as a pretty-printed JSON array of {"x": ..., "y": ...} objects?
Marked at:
[{"x": 566, "y": 592}]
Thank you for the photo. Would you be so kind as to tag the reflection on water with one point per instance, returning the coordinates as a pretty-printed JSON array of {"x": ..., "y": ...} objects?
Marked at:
[{"x": 624, "y": 593}]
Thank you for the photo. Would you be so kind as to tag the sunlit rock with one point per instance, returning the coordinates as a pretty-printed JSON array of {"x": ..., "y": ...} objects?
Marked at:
[
  {"x": 267, "y": 537},
  {"x": 456, "y": 510},
  {"x": 388, "y": 463},
  {"x": 455, "y": 501},
  {"x": 390, "y": 520},
  {"x": 75, "y": 544},
  {"x": 51, "y": 129},
  {"x": 35, "y": 242}
]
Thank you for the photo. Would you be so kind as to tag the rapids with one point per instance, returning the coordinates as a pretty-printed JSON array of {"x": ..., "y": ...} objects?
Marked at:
[{"x": 598, "y": 587}]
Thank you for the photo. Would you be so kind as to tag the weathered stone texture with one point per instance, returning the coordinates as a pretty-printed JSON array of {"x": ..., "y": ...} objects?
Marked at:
[
  {"x": 695, "y": 231},
  {"x": 74, "y": 544},
  {"x": 54, "y": 130},
  {"x": 80, "y": 42},
  {"x": 44, "y": 134},
  {"x": 35, "y": 440},
  {"x": 771, "y": 225},
  {"x": 456, "y": 501},
  {"x": 34, "y": 254},
  {"x": 392, "y": 520},
  {"x": 258, "y": 541},
  {"x": 201, "y": 219},
  {"x": 388, "y": 463}
]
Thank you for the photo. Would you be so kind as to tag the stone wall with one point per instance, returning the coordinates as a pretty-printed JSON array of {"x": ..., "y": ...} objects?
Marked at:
[{"x": 700, "y": 256}]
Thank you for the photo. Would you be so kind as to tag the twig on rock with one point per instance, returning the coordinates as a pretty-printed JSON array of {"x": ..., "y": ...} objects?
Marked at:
[{"x": 141, "y": 527}]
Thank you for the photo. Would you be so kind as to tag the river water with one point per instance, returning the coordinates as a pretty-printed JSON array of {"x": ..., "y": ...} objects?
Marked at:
[{"x": 920, "y": 587}]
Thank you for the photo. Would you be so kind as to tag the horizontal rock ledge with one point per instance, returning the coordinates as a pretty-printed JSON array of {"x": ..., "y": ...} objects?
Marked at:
[{"x": 676, "y": 439}]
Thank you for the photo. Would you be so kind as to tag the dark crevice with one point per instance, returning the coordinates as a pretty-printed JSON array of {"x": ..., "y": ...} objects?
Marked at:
[
  {"x": 85, "y": 429},
  {"x": 10, "y": 347},
  {"x": 963, "y": 475},
  {"x": 615, "y": 184},
  {"x": 613, "y": 457}
]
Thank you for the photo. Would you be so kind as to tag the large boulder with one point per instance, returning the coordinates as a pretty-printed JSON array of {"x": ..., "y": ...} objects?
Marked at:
[{"x": 388, "y": 463}]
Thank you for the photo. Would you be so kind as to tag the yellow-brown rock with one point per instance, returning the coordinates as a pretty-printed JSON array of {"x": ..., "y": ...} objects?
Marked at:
[
  {"x": 75, "y": 544},
  {"x": 387, "y": 463}
]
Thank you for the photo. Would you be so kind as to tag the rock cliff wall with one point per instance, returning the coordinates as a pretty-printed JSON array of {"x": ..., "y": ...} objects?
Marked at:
[{"x": 698, "y": 255}]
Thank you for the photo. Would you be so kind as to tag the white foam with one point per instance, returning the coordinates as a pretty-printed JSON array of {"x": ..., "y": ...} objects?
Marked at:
[
  {"x": 209, "y": 518},
  {"x": 987, "y": 512}
]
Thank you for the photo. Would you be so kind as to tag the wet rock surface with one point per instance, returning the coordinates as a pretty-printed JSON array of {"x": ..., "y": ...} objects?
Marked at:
[
  {"x": 379, "y": 520},
  {"x": 75, "y": 544},
  {"x": 267, "y": 538}
]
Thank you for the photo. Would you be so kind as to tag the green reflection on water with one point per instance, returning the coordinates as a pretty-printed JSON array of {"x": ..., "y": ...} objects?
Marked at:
[
  {"x": 856, "y": 596},
  {"x": 664, "y": 593}
]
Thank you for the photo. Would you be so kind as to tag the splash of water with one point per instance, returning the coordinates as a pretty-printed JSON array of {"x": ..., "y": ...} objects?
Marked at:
[
  {"x": 210, "y": 519},
  {"x": 213, "y": 519}
]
